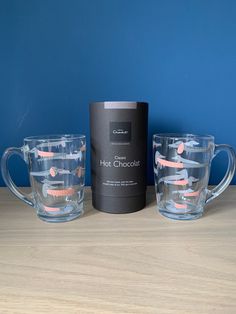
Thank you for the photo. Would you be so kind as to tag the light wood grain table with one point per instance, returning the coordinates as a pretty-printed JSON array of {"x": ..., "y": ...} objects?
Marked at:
[{"x": 131, "y": 263}]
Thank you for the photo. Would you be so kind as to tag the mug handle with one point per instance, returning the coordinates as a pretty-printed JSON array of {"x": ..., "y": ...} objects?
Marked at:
[
  {"x": 27, "y": 198},
  {"x": 224, "y": 183}
]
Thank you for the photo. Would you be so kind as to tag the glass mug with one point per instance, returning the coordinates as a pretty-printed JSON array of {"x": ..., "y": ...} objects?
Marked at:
[
  {"x": 181, "y": 172},
  {"x": 56, "y": 165}
]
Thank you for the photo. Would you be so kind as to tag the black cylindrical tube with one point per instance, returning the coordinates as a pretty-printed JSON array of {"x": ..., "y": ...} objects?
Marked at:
[{"x": 118, "y": 155}]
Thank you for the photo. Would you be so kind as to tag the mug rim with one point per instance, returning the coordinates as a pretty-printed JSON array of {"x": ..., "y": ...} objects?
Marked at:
[
  {"x": 183, "y": 136},
  {"x": 54, "y": 137}
]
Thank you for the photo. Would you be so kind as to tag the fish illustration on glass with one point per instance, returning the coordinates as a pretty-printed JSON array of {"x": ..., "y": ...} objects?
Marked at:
[
  {"x": 188, "y": 163},
  {"x": 76, "y": 155},
  {"x": 177, "y": 207},
  {"x": 56, "y": 144},
  {"x": 189, "y": 147},
  {"x": 180, "y": 174},
  {"x": 189, "y": 181},
  {"x": 55, "y": 210},
  {"x": 188, "y": 192},
  {"x": 53, "y": 190},
  {"x": 49, "y": 184},
  {"x": 180, "y": 163},
  {"x": 53, "y": 171},
  {"x": 53, "y": 156},
  {"x": 60, "y": 192}
]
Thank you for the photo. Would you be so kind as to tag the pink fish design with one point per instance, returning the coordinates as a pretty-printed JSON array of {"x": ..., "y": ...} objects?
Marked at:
[
  {"x": 181, "y": 174},
  {"x": 187, "y": 192},
  {"x": 180, "y": 182},
  {"x": 189, "y": 181},
  {"x": 45, "y": 154},
  {"x": 190, "y": 194},
  {"x": 171, "y": 164},
  {"x": 58, "y": 193},
  {"x": 51, "y": 209},
  {"x": 180, "y": 148},
  {"x": 180, "y": 206}
]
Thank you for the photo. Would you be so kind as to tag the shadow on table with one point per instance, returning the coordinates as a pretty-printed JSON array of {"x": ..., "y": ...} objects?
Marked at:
[
  {"x": 151, "y": 196},
  {"x": 219, "y": 206},
  {"x": 210, "y": 209},
  {"x": 224, "y": 202},
  {"x": 89, "y": 210}
]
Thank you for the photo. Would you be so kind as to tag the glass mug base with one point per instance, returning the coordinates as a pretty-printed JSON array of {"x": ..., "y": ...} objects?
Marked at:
[
  {"x": 189, "y": 213},
  {"x": 61, "y": 214}
]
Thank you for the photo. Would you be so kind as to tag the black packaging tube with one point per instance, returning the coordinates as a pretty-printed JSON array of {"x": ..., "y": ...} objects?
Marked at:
[{"x": 118, "y": 155}]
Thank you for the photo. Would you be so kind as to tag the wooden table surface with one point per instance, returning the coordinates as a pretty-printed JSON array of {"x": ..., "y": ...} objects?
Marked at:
[{"x": 104, "y": 263}]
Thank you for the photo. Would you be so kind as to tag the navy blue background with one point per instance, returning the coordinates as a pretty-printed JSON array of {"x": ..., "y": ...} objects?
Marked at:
[{"x": 56, "y": 56}]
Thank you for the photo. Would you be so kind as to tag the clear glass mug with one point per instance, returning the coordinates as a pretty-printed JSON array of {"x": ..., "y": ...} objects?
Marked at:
[
  {"x": 181, "y": 173},
  {"x": 56, "y": 165}
]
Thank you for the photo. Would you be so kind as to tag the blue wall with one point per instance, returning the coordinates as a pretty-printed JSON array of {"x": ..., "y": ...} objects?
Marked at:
[{"x": 56, "y": 56}]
